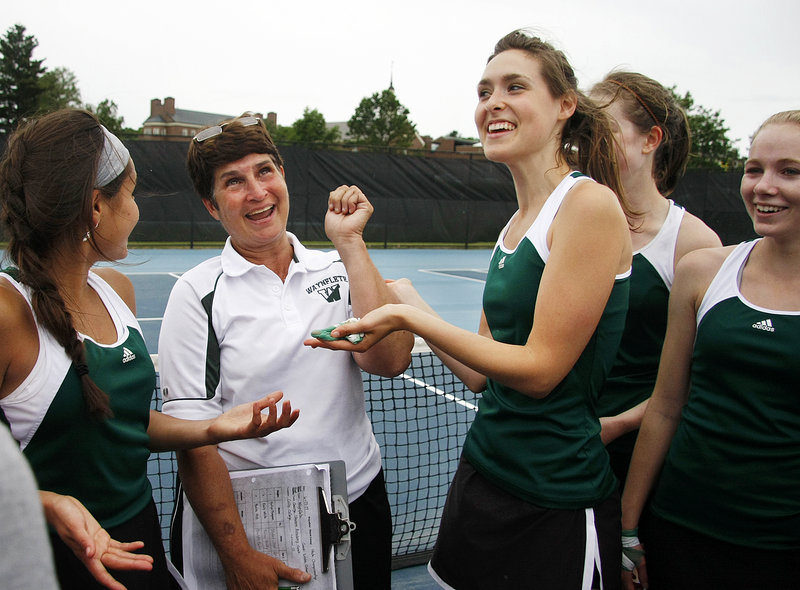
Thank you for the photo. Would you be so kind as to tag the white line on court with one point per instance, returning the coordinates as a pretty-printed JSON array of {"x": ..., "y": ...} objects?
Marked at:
[
  {"x": 437, "y": 391},
  {"x": 451, "y": 273},
  {"x": 152, "y": 272}
]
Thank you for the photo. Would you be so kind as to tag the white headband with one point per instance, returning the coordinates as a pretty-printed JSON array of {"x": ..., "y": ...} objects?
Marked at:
[{"x": 113, "y": 159}]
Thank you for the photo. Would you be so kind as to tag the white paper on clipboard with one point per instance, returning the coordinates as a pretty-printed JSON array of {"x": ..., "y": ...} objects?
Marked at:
[{"x": 279, "y": 507}]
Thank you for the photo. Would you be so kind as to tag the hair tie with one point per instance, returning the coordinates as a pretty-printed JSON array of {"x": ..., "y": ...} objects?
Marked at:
[
  {"x": 113, "y": 159},
  {"x": 82, "y": 369},
  {"x": 640, "y": 101}
]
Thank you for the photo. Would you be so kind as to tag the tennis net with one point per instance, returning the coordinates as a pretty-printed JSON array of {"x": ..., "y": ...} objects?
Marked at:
[{"x": 420, "y": 419}]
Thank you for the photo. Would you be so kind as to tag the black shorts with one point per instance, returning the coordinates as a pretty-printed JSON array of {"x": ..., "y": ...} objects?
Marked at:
[
  {"x": 678, "y": 557},
  {"x": 489, "y": 538}
]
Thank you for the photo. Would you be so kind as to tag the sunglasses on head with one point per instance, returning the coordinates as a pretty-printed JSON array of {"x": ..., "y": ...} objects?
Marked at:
[{"x": 210, "y": 132}]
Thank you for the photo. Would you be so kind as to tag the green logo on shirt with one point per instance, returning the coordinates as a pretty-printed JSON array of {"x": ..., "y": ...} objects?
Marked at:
[{"x": 328, "y": 288}]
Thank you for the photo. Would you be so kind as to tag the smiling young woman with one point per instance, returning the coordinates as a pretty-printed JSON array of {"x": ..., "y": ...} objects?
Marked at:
[
  {"x": 721, "y": 435},
  {"x": 534, "y": 499}
]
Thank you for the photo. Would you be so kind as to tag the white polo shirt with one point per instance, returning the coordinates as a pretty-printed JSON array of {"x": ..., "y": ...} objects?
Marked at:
[{"x": 260, "y": 324}]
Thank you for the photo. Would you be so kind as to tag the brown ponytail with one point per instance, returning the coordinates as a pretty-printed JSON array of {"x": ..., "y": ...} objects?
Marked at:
[
  {"x": 587, "y": 140},
  {"x": 646, "y": 103}
]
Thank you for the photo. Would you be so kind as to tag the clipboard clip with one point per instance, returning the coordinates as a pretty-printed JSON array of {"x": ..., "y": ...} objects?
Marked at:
[{"x": 335, "y": 528}]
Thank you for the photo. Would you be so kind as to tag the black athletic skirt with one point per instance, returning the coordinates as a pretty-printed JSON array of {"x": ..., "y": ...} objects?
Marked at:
[{"x": 491, "y": 539}]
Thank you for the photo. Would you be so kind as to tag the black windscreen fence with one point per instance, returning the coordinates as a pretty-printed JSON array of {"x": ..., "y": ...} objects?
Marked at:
[
  {"x": 416, "y": 198},
  {"x": 426, "y": 198}
]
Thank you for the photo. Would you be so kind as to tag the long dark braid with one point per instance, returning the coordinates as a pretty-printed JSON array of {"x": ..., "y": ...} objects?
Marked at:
[{"x": 46, "y": 182}]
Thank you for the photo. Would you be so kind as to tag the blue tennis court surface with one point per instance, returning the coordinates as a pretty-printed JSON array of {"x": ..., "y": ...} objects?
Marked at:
[{"x": 451, "y": 281}]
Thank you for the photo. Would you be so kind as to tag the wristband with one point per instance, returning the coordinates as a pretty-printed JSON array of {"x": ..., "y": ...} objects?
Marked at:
[{"x": 631, "y": 557}]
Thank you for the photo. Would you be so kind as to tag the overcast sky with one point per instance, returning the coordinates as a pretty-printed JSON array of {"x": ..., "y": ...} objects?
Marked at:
[{"x": 226, "y": 57}]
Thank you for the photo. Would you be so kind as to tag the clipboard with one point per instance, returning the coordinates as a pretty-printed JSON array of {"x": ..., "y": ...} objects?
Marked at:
[{"x": 299, "y": 514}]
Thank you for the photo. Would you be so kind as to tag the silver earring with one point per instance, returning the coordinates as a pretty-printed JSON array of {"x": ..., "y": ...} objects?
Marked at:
[{"x": 89, "y": 233}]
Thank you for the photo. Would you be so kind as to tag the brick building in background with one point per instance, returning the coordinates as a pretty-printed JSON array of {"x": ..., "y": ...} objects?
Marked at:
[
  {"x": 168, "y": 123},
  {"x": 172, "y": 124}
]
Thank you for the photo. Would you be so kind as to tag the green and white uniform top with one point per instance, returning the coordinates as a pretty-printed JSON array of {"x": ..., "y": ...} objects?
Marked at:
[
  {"x": 733, "y": 469},
  {"x": 634, "y": 372},
  {"x": 102, "y": 464},
  {"x": 546, "y": 451}
]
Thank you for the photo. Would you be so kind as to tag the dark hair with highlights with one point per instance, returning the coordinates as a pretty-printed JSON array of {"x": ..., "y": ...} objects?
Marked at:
[
  {"x": 47, "y": 179},
  {"x": 646, "y": 103},
  {"x": 234, "y": 143},
  {"x": 587, "y": 140}
]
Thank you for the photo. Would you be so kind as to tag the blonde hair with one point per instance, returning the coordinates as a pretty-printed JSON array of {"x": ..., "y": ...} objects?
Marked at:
[{"x": 778, "y": 119}]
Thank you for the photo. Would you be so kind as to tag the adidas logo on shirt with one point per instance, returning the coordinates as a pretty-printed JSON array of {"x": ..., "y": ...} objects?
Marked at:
[
  {"x": 765, "y": 325},
  {"x": 127, "y": 355},
  {"x": 502, "y": 262}
]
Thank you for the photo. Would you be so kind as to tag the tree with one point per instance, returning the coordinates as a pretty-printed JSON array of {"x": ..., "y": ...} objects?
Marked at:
[
  {"x": 711, "y": 147},
  {"x": 59, "y": 90},
  {"x": 106, "y": 113},
  {"x": 19, "y": 78},
  {"x": 381, "y": 120},
  {"x": 279, "y": 133},
  {"x": 311, "y": 128}
]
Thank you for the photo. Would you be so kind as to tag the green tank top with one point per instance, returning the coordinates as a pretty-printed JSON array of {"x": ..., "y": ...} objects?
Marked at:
[
  {"x": 634, "y": 372},
  {"x": 733, "y": 468},
  {"x": 546, "y": 451},
  {"x": 101, "y": 463}
]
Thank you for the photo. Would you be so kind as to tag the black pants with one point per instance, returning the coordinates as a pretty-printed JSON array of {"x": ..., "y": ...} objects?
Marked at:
[{"x": 372, "y": 538}]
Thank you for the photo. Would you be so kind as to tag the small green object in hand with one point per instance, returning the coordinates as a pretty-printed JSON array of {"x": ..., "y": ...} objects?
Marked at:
[{"x": 325, "y": 334}]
